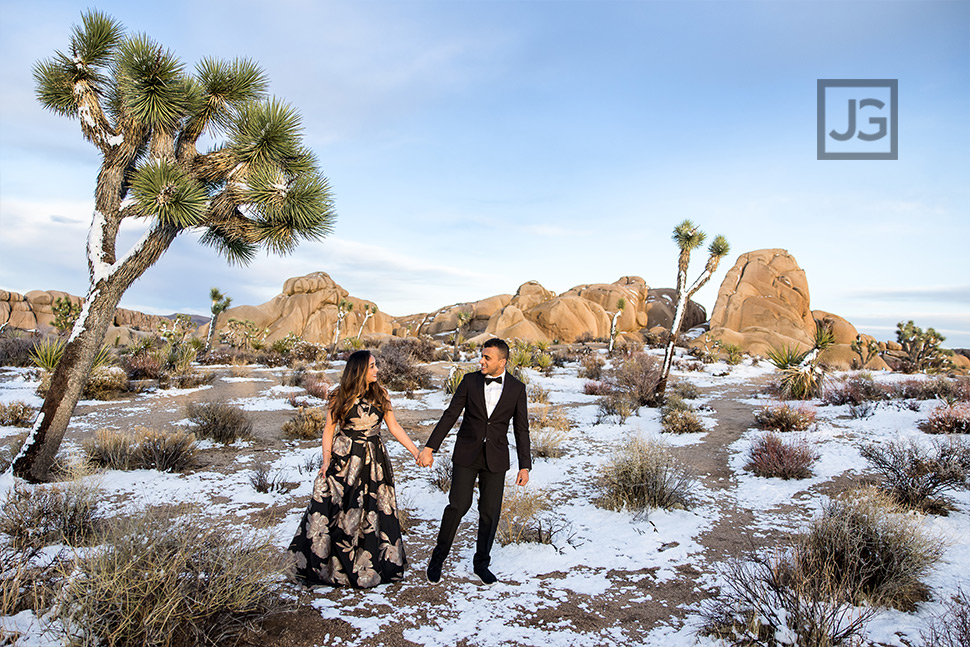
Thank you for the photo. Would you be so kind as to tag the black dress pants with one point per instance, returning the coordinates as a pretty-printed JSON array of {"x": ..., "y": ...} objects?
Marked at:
[{"x": 491, "y": 486}]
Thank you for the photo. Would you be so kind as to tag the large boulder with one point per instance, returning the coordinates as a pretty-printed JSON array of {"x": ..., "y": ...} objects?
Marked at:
[
  {"x": 308, "y": 306},
  {"x": 763, "y": 302},
  {"x": 661, "y": 305},
  {"x": 35, "y": 311}
]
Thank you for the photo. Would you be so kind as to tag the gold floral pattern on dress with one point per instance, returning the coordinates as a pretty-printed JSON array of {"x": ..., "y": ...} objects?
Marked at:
[{"x": 350, "y": 534}]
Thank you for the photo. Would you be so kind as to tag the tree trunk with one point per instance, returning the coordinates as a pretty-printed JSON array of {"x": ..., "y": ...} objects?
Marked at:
[
  {"x": 67, "y": 384},
  {"x": 212, "y": 331}
]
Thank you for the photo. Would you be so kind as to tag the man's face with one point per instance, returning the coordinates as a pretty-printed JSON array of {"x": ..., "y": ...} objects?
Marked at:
[{"x": 492, "y": 362}]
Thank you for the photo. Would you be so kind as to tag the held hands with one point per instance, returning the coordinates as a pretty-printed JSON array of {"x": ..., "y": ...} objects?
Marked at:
[{"x": 425, "y": 458}]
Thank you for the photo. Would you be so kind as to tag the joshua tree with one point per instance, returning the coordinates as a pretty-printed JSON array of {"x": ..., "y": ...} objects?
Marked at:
[
  {"x": 369, "y": 311},
  {"x": 259, "y": 187},
  {"x": 620, "y": 306},
  {"x": 463, "y": 318},
  {"x": 220, "y": 303},
  {"x": 65, "y": 314},
  {"x": 922, "y": 349},
  {"x": 343, "y": 308},
  {"x": 688, "y": 238}
]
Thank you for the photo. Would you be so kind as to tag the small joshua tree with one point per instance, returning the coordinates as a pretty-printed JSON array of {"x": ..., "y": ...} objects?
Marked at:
[
  {"x": 343, "y": 308},
  {"x": 369, "y": 311},
  {"x": 620, "y": 306},
  {"x": 257, "y": 187},
  {"x": 866, "y": 349},
  {"x": 65, "y": 314},
  {"x": 688, "y": 238},
  {"x": 922, "y": 349},
  {"x": 220, "y": 303}
]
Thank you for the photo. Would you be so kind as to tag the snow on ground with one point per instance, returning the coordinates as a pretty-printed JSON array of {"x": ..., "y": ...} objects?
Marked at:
[{"x": 590, "y": 564}]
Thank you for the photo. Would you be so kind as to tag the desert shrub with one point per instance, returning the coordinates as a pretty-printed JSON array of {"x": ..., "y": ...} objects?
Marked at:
[
  {"x": 9, "y": 451},
  {"x": 549, "y": 418},
  {"x": 265, "y": 481},
  {"x": 17, "y": 414},
  {"x": 144, "y": 362},
  {"x": 521, "y": 355},
  {"x": 617, "y": 404},
  {"x": 768, "y": 602},
  {"x": 784, "y": 417},
  {"x": 307, "y": 424},
  {"x": 455, "y": 376},
  {"x": 733, "y": 354},
  {"x": 526, "y": 517},
  {"x": 223, "y": 423},
  {"x": 951, "y": 628},
  {"x": 21, "y": 586},
  {"x": 916, "y": 476},
  {"x": 227, "y": 355},
  {"x": 316, "y": 384},
  {"x": 597, "y": 388},
  {"x": 537, "y": 394},
  {"x": 786, "y": 357},
  {"x": 545, "y": 363},
  {"x": 142, "y": 448},
  {"x": 681, "y": 421},
  {"x": 771, "y": 455},
  {"x": 628, "y": 346},
  {"x": 399, "y": 369},
  {"x": 685, "y": 390},
  {"x": 547, "y": 442},
  {"x": 868, "y": 543},
  {"x": 272, "y": 358},
  {"x": 643, "y": 475},
  {"x": 422, "y": 349},
  {"x": 636, "y": 376},
  {"x": 405, "y": 516},
  {"x": 215, "y": 583},
  {"x": 15, "y": 347},
  {"x": 949, "y": 419},
  {"x": 34, "y": 516},
  {"x": 591, "y": 367},
  {"x": 441, "y": 472},
  {"x": 944, "y": 388},
  {"x": 854, "y": 389},
  {"x": 190, "y": 380},
  {"x": 105, "y": 383},
  {"x": 304, "y": 351}
]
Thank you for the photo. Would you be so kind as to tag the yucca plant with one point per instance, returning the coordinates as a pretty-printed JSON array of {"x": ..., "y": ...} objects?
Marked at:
[
  {"x": 47, "y": 354},
  {"x": 258, "y": 187},
  {"x": 786, "y": 356}
]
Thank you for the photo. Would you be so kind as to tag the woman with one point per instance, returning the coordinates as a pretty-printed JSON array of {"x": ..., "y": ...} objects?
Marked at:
[{"x": 350, "y": 534}]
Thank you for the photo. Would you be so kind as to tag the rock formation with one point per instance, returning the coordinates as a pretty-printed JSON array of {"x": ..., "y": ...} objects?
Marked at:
[
  {"x": 763, "y": 303},
  {"x": 308, "y": 306}
]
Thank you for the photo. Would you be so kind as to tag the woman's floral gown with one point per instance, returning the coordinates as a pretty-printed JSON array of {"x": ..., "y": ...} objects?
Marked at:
[{"x": 350, "y": 534}]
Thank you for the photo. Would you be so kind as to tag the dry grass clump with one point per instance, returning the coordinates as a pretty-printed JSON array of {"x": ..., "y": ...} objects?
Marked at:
[
  {"x": 537, "y": 394},
  {"x": 636, "y": 376},
  {"x": 772, "y": 455},
  {"x": 870, "y": 544},
  {"x": 916, "y": 476},
  {"x": 685, "y": 390},
  {"x": 398, "y": 367},
  {"x": 185, "y": 583},
  {"x": 823, "y": 586},
  {"x": 597, "y": 388},
  {"x": 34, "y": 516},
  {"x": 679, "y": 417},
  {"x": 9, "y": 451},
  {"x": 617, "y": 404},
  {"x": 265, "y": 482},
  {"x": 142, "y": 448},
  {"x": 548, "y": 430},
  {"x": 854, "y": 389},
  {"x": 784, "y": 417},
  {"x": 952, "y": 627},
  {"x": 307, "y": 424},
  {"x": 105, "y": 383},
  {"x": 405, "y": 516},
  {"x": 949, "y": 419},
  {"x": 591, "y": 367},
  {"x": 526, "y": 517},
  {"x": 420, "y": 348},
  {"x": 643, "y": 475},
  {"x": 16, "y": 414},
  {"x": 223, "y": 423}
]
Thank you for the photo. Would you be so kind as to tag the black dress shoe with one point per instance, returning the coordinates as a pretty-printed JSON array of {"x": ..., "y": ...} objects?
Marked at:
[
  {"x": 485, "y": 575},
  {"x": 434, "y": 571}
]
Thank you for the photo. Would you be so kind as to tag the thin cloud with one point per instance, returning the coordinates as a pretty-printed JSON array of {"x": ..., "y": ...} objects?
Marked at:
[{"x": 957, "y": 293}]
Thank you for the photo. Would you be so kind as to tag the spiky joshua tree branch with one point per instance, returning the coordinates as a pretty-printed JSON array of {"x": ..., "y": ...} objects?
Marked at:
[{"x": 145, "y": 113}]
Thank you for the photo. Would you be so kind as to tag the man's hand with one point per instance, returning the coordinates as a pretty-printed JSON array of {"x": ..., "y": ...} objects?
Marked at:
[
  {"x": 522, "y": 478},
  {"x": 426, "y": 457}
]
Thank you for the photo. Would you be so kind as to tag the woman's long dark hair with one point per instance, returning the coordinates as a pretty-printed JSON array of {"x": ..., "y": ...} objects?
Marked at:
[{"x": 353, "y": 385}]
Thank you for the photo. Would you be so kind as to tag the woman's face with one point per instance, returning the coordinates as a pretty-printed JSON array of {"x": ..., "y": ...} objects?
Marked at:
[{"x": 372, "y": 370}]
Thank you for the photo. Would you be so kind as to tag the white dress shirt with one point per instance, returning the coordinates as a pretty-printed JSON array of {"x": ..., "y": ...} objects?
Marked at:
[{"x": 493, "y": 392}]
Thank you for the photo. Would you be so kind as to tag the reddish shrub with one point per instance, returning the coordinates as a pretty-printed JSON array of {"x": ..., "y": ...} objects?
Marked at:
[
  {"x": 949, "y": 419},
  {"x": 597, "y": 388},
  {"x": 772, "y": 455}
]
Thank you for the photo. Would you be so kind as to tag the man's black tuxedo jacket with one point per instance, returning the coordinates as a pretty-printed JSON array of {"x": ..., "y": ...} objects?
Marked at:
[{"x": 478, "y": 429}]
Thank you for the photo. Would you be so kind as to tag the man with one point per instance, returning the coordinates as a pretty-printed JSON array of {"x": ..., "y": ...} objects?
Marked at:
[{"x": 490, "y": 399}]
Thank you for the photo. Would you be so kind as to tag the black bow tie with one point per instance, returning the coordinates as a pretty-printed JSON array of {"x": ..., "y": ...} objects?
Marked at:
[{"x": 489, "y": 380}]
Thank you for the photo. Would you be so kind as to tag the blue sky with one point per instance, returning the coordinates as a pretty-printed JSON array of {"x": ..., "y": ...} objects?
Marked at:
[{"x": 473, "y": 146}]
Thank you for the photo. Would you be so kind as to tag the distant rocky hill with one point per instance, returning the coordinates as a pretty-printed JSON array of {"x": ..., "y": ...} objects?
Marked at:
[{"x": 763, "y": 303}]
